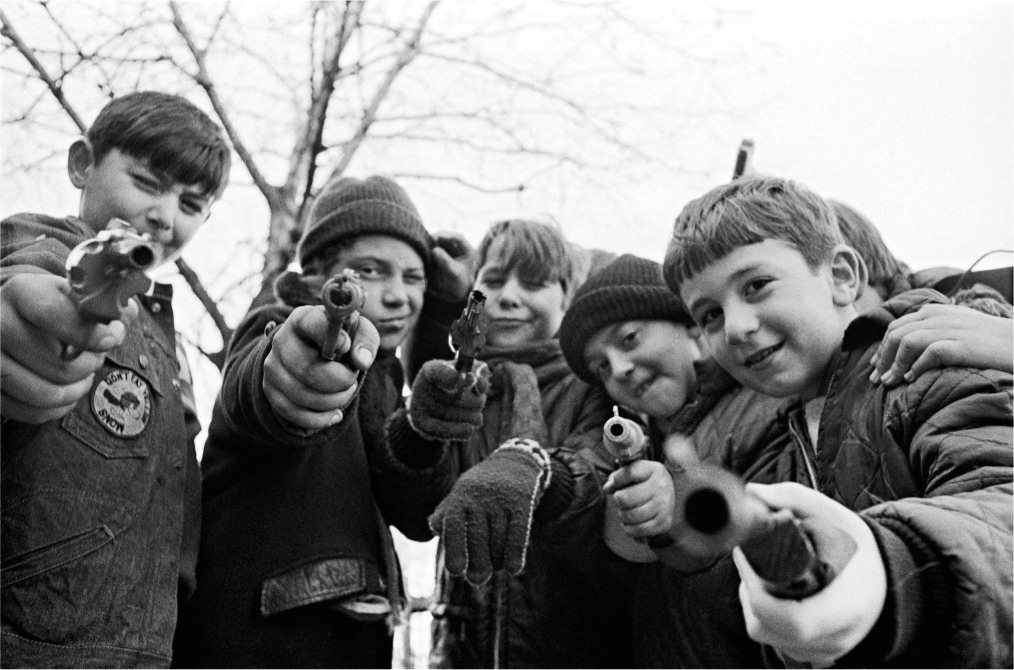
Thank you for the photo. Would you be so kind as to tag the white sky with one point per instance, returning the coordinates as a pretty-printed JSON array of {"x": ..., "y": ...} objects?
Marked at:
[{"x": 904, "y": 110}]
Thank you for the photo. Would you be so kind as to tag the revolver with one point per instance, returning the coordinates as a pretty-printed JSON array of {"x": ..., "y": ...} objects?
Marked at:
[
  {"x": 468, "y": 335},
  {"x": 106, "y": 270},
  {"x": 342, "y": 296}
]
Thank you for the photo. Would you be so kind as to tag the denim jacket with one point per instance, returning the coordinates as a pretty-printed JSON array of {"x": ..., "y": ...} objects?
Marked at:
[{"x": 99, "y": 510}]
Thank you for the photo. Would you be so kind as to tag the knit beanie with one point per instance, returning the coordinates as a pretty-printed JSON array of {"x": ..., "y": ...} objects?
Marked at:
[
  {"x": 348, "y": 207},
  {"x": 627, "y": 288}
]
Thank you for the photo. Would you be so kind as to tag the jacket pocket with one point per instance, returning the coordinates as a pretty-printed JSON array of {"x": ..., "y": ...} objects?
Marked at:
[
  {"x": 53, "y": 556},
  {"x": 55, "y": 529}
]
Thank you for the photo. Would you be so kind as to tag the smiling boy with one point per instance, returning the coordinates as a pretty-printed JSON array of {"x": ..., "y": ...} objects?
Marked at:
[
  {"x": 101, "y": 517},
  {"x": 919, "y": 476}
]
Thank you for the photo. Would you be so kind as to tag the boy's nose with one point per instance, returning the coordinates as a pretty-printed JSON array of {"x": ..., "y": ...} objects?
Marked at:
[
  {"x": 740, "y": 323},
  {"x": 394, "y": 292},
  {"x": 160, "y": 218},
  {"x": 620, "y": 365},
  {"x": 508, "y": 293}
]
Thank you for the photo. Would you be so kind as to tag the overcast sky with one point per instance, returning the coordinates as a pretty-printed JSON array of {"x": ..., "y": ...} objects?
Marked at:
[{"x": 904, "y": 110}]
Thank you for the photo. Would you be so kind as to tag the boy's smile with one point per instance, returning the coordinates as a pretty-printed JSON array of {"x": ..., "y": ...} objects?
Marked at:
[
  {"x": 646, "y": 366},
  {"x": 520, "y": 311},
  {"x": 769, "y": 318}
]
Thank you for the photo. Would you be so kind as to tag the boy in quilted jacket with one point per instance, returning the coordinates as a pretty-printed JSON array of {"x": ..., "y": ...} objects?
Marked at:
[
  {"x": 627, "y": 332},
  {"x": 918, "y": 477}
]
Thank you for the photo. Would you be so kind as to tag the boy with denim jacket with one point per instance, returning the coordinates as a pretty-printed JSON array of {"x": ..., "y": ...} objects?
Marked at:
[{"x": 100, "y": 482}]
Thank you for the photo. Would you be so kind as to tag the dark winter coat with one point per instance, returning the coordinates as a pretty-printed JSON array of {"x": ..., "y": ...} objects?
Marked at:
[
  {"x": 297, "y": 566},
  {"x": 928, "y": 467},
  {"x": 569, "y": 606}
]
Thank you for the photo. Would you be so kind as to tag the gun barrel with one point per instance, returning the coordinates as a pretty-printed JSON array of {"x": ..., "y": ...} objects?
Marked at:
[
  {"x": 720, "y": 514},
  {"x": 623, "y": 438},
  {"x": 342, "y": 296},
  {"x": 467, "y": 333}
]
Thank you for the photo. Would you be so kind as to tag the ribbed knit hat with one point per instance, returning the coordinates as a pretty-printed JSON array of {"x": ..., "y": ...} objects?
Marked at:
[
  {"x": 348, "y": 207},
  {"x": 628, "y": 288}
]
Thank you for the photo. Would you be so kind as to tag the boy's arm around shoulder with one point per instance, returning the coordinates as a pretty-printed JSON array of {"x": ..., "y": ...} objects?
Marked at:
[{"x": 948, "y": 553}]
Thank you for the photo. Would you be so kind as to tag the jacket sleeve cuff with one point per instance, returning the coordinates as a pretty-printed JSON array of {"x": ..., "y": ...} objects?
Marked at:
[{"x": 916, "y": 588}]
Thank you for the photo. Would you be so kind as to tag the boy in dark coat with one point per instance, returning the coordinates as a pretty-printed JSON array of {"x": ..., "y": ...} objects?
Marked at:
[
  {"x": 918, "y": 476},
  {"x": 297, "y": 566}
]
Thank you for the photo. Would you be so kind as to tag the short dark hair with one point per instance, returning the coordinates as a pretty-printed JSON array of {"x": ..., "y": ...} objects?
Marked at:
[
  {"x": 534, "y": 249},
  {"x": 178, "y": 140},
  {"x": 749, "y": 211}
]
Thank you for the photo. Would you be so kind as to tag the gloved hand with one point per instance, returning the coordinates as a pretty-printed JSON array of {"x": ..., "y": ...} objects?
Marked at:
[
  {"x": 445, "y": 407},
  {"x": 486, "y": 519}
]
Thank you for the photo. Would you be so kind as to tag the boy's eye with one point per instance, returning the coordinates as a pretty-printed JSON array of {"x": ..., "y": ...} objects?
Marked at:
[
  {"x": 192, "y": 207},
  {"x": 367, "y": 271},
  {"x": 532, "y": 285},
  {"x": 708, "y": 318},
  {"x": 630, "y": 338},
  {"x": 755, "y": 285},
  {"x": 146, "y": 183},
  {"x": 414, "y": 279}
]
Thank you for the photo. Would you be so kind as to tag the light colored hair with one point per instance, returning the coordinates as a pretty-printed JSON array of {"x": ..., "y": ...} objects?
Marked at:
[
  {"x": 533, "y": 249},
  {"x": 749, "y": 211}
]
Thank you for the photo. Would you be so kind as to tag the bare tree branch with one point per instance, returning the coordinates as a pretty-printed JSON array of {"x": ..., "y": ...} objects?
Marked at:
[
  {"x": 408, "y": 52},
  {"x": 10, "y": 33}
]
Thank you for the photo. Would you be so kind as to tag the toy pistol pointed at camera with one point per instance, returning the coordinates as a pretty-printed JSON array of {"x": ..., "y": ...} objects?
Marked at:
[
  {"x": 468, "y": 334},
  {"x": 106, "y": 270},
  {"x": 342, "y": 296},
  {"x": 717, "y": 510}
]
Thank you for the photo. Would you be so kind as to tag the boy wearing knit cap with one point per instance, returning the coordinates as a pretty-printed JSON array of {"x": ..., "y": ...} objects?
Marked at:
[
  {"x": 297, "y": 566},
  {"x": 627, "y": 331}
]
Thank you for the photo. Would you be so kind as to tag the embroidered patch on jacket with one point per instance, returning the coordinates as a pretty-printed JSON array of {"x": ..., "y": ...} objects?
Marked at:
[{"x": 122, "y": 403}]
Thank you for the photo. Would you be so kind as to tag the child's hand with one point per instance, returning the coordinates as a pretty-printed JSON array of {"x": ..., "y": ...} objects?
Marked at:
[
  {"x": 823, "y": 627},
  {"x": 303, "y": 388},
  {"x": 645, "y": 497},
  {"x": 443, "y": 405},
  {"x": 39, "y": 318},
  {"x": 454, "y": 262},
  {"x": 941, "y": 335}
]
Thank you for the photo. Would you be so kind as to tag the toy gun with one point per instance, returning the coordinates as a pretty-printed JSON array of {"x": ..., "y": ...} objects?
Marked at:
[
  {"x": 105, "y": 271},
  {"x": 468, "y": 335},
  {"x": 342, "y": 296},
  {"x": 743, "y": 159},
  {"x": 716, "y": 509},
  {"x": 626, "y": 441}
]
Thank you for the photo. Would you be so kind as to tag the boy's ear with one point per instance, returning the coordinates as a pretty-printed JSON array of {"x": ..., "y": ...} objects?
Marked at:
[
  {"x": 79, "y": 159},
  {"x": 848, "y": 274}
]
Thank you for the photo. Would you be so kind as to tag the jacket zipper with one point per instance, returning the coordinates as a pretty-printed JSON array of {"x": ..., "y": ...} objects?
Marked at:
[{"x": 803, "y": 444}]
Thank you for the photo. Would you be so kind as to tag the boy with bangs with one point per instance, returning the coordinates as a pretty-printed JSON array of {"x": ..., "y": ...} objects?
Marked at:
[
  {"x": 507, "y": 469},
  {"x": 918, "y": 476},
  {"x": 101, "y": 518}
]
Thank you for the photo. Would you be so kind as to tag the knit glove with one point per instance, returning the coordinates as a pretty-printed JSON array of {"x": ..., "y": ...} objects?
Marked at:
[
  {"x": 486, "y": 519},
  {"x": 443, "y": 406}
]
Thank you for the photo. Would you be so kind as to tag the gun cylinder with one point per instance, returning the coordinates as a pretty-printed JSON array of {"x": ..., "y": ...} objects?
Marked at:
[{"x": 624, "y": 438}]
